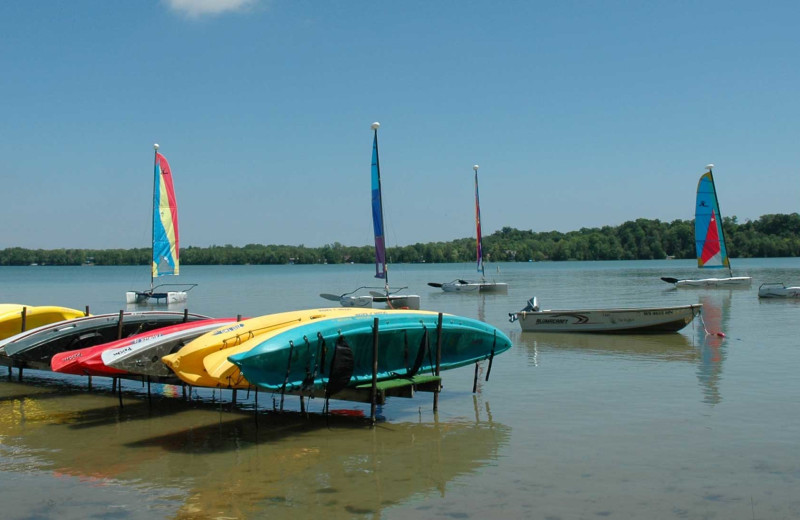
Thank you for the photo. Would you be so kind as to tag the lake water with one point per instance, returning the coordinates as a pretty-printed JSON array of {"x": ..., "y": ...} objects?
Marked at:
[{"x": 682, "y": 426}]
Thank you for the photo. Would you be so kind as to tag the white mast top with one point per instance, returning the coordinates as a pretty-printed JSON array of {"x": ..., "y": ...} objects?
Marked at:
[
  {"x": 375, "y": 125},
  {"x": 476, "y": 168},
  {"x": 155, "y": 147},
  {"x": 709, "y": 166}
]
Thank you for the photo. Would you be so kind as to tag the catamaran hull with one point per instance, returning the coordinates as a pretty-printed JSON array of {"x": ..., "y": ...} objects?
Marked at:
[
  {"x": 494, "y": 287},
  {"x": 616, "y": 321},
  {"x": 364, "y": 301},
  {"x": 777, "y": 290},
  {"x": 470, "y": 287},
  {"x": 400, "y": 301},
  {"x": 735, "y": 281},
  {"x": 142, "y": 298}
]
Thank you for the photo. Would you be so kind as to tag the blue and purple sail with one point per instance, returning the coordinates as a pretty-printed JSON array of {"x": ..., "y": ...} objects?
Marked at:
[
  {"x": 377, "y": 210},
  {"x": 708, "y": 232},
  {"x": 478, "y": 224},
  {"x": 165, "y": 221}
]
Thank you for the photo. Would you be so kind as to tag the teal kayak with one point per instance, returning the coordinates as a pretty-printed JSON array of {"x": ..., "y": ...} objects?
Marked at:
[{"x": 334, "y": 353}]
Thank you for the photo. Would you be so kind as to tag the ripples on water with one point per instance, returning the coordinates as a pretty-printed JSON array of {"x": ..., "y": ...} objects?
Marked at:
[{"x": 688, "y": 425}]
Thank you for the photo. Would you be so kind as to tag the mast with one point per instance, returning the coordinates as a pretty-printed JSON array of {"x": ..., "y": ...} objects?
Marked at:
[
  {"x": 478, "y": 235},
  {"x": 153, "y": 223},
  {"x": 710, "y": 168},
  {"x": 377, "y": 213}
]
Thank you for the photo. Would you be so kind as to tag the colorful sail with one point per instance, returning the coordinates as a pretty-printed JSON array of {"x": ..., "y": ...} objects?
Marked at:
[
  {"x": 479, "y": 238},
  {"x": 377, "y": 211},
  {"x": 165, "y": 221},
  {"x": 709, "y": 237}
]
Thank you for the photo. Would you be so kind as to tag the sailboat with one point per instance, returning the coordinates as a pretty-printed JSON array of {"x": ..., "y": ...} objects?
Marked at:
[
  {"x": 391, "y": 299},
  {"x": 482, "y": 285},
  {"x": 165, "y": 248},
  {"x": 709, "y": 237}
]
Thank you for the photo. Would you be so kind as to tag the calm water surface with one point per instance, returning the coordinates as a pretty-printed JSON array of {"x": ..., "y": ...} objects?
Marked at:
[{"x": 689, "y": 425}]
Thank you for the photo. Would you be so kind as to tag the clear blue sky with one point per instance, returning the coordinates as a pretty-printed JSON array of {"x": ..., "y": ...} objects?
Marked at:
[{"x": 580, "y": 114}]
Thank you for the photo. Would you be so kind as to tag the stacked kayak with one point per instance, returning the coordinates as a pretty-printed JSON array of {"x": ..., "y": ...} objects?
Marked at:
[
  {"x": 338, "y": 351},
  {"x": 187, "y": 363},
  {"x": 139, "y": 354},
  {"x": 35, "y": 348},
  {"x": 11, "y": 317},
  {"x": 221, "y": 371}
]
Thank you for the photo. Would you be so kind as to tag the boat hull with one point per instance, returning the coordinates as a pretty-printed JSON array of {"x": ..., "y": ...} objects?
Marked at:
[
  {"x": 778, "y": 290},
  {"x": 35, "y": 316},
  {"x": 406, "y": 341},
  {"x": 157, "y": 298},
  {"x": 187, "y": 363},
  {"x": 617, "y": 321},
  {"x": 734, "y": 281},
  {"x": 461, "y": 287},
  {"x": 36, "y": 348},
  {"x": 494, "y": 287},
  {"x": 228, "y": 375},
  {"x": 393, "y": 301},
  {"x": 141, "y": 354}
]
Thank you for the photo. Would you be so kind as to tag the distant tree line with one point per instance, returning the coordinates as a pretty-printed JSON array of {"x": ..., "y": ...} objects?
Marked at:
[{"x": 775, "y": 235}]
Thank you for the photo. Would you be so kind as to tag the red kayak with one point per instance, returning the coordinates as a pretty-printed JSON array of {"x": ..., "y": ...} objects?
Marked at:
[{"x": 88, "y": 361}]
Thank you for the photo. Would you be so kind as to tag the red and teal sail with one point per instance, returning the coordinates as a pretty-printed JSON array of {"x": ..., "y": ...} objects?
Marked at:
[
  {"x": 479, "y": 236},
  {"x": 377, "y": 210},
  {"x": 708, "y": 232},
  {"x": 165, "y": 221}
]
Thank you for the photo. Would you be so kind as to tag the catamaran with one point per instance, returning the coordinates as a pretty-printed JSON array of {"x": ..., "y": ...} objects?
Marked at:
[
  {"x": 482, "y": 285},
  {"x": 165, "y": 244},
  {"x": 710, "y": 239},
  {"x": 391, "y": 299}
]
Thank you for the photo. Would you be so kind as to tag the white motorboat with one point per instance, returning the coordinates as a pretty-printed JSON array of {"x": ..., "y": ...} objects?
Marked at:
[{"x": 644, "y": 320}]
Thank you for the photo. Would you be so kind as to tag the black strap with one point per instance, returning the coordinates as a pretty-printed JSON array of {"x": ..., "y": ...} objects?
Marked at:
[
  {"x": 491, "y": 356},
  {"x": 424, "y": 345}
]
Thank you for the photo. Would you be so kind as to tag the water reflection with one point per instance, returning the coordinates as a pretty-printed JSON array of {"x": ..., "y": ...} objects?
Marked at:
[
  {"x": 716, "y": 309},
  {"x": 229, "y": 464},
  {"x": 664, "y": 347}
]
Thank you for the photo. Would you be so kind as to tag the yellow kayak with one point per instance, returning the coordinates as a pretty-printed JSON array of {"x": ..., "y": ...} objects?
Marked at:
[
  {"x": 35, "y": 316},
  {"x": 227, "y": 375},
  {"x": 187, "y": 363}
]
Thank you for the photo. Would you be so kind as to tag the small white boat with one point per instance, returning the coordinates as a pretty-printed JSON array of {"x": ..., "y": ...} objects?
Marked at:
[
  {"x": 709, "y": 237},
  {"x": 482, "y": 285},
  {"x": 644, "y": 320},
  {"x": 165, "y": 242},
  {"x": 391, "y": 299},
  {"x": 777, "y": 290}
]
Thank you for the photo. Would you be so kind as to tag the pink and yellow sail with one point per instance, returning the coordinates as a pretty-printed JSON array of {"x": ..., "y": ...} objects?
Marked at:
[{"x": 165, "y": 221}]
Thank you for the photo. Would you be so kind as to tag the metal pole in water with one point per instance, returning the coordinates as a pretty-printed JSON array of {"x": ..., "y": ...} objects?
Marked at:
[
  {"x": 438, "y": 361},
  {"x": 374, "y": 392},
  {"x": 119, "y": 325}
]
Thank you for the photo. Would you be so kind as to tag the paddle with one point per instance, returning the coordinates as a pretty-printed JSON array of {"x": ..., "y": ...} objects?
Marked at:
[
  {"x": 669, "y": 280},
  {"x": 332, "y": 297},
  {"x": 434, "y": 284}
]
